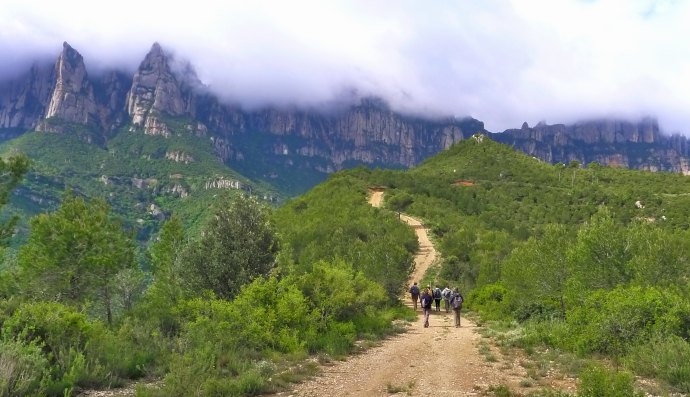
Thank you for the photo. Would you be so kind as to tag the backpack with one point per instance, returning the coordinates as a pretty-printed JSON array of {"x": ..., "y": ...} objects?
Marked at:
[
  {"x": 457, "y": 301},
  {"x": 414, "y": 290},
  {"x": 437, "y": 293},
  {"x": 448, "y": 294},
  {"x": 424, "y": 302}
]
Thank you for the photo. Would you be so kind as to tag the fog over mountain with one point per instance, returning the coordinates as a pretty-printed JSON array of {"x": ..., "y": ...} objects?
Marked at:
[{"x": 500, "y": 61}]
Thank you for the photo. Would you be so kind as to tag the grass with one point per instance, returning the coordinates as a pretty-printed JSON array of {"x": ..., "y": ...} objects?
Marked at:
[
  {"x": 500, "y": 391},
  {"x": 485, "y": 351},
  {"x": 393, "y": 389},
  {"x": 526, "y": 383}
]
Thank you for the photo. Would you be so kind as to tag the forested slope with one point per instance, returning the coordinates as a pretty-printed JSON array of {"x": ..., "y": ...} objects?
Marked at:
[
  {"x": 144, "y": 178},
  {"x": 591, "y": 261},
  {"x": 231, "y": 310},
  {"x": 587, "y": 260}
]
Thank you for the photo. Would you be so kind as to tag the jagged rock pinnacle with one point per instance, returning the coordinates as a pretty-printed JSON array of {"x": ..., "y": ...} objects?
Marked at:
[{"x": 156, "y": 49}]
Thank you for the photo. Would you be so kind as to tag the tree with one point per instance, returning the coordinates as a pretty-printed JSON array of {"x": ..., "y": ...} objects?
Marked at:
[
  {"x": 238, "y": 245},
  {"x": 599, "y": 257},
  {"x": 574, "y": 165},
  {"x": 165, "y": 259},
  {"x": 400, "y": 202},
  {"x": 538, "y": 270},
  {"x": 12, "y": 171},
  {"x": 74, "y": 254},
  {"x": 559, "y": 168},
  {"x": 596, "y": 168}
]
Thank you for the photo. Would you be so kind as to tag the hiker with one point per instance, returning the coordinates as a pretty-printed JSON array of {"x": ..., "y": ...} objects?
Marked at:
[
  {"x": 426, "y": 306},
  {"x": 437, "y": 298},
  {"x": 456, "y": 303},
  {"x": 447, "y": 294},
  {"x": 414, "y": 291}
]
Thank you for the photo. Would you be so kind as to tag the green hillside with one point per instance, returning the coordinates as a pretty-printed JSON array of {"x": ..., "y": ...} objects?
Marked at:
[
  {"x": 233, "y": 308},
  {"x": 131, "y": 171},
  {"x": 571, "y": 264},
  {"x": 585, "y": 261}
]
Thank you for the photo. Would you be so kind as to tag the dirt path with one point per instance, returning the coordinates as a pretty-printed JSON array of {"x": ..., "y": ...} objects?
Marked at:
[
  {"x": 427, "y": 253},
  {"x": 441, "y": 360}
]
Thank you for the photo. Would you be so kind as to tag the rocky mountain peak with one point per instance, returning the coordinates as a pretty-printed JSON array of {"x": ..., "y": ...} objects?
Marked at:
[
  {"x": 155, "y": 91},
  {"x": 69, "y": 54},
  {"x": 72, "y": 99},
  {"x": 156, "y": 60}
]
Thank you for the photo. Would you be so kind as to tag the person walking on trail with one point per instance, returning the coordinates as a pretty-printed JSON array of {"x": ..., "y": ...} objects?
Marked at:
[
  {"x": 456, "y": 301},
  {"x": 414, "y": 292},
  {"x": 426, "y": 300},
  {"x": 437, "y": 298},
  {"x": 447, "y": 294}
]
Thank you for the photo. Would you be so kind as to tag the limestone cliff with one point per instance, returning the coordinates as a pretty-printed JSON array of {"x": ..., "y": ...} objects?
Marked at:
[
  {"x": 156, "y": 92},
  {"x": 23, "y": 101},
  {"x": 110, "y": 90},
  {"x": 165, "y": 97},
  {"x": 611, "y": 142},
  {"x": 72, "y": 98}
]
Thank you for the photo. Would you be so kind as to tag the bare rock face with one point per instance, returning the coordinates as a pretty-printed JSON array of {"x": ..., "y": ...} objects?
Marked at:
[
  {"x": 165, "y": 97},
  {"x": 369, "y": 132},
  {"x": 23, "y": 101},
  {"x": 179, "y": 157},
  {"x": 155, "y": 91},
  {"x": 72, "y": 99},
  {"x": 222, "y": 183},
  {"x": 110, "y": 91},
  {"x": 615, "y": 143}
]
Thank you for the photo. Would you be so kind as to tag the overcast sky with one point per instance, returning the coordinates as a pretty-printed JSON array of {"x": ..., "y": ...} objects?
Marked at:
[{"x": 500, "y": 61}]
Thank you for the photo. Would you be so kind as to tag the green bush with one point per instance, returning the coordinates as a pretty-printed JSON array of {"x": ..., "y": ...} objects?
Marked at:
[
  {"x": 614, "y": 321},
  {"x": 58, "y": 327},
  {"x": 130, "y": 351},
  {"x": 665, "y": 357},
  {"x": 490, "y": 300},
  {"x": 80, "y": 352},
  {"x": 538, "y": 311},
  {"x": 599, "y": 381},
  {"x": 554, "y": 333},
  {"x": 22, "y": 369}
]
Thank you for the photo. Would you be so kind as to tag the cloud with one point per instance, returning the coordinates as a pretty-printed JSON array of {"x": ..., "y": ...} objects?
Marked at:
[{"x": 501, "y": 61}]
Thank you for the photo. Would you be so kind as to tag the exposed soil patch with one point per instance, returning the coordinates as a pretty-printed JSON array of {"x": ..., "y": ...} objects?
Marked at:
[{"x": 462, "y": 183}]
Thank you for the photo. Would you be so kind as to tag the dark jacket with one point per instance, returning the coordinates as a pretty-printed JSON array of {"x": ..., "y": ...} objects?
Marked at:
[
  {"x": 428, "y": 299},
  {"x": 414, "y": 290}
]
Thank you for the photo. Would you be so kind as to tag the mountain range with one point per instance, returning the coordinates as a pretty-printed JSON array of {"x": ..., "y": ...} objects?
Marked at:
[{"x": 149, "y": 139}]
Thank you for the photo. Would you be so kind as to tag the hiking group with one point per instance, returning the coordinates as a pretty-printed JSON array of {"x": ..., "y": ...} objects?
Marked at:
[{"x": 453, "y": 301}]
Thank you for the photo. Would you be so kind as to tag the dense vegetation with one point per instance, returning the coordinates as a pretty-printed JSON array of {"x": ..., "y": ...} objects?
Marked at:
[
  {"x": 587, "y": 261},
  {"x": 230, "y": 311},
  {"x": 132, "y": 172},
  {"x": 592, "y": 261}
]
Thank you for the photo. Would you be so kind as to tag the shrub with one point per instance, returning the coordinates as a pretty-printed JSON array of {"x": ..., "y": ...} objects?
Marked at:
[
  {"x": 614, "y": 321},
  {"x": 490, "y": 300},
  {"x": 77, "y": 352},
  {"x": 599, "y": 381},
  {"x": 58, "y": 327},
  {"x": 22, "y": 368},
  {"x": 665, "y": 357},
  {"x": 538, "y": 311}
]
